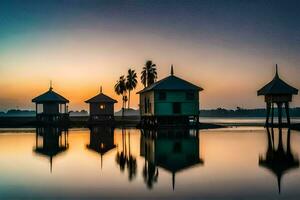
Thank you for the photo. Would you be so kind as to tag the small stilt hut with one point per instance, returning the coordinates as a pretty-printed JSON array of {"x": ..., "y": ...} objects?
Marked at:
[
  {"x": 51, "y": 107},
  {"x": 101, "y": 108},
  {"x": 280, "y": 93}
]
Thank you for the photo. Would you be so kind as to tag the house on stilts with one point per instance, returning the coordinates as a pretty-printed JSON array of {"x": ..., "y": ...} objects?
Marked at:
[
  {"x": 280, "y": 93},
  {"x": 171, "y": 101}
]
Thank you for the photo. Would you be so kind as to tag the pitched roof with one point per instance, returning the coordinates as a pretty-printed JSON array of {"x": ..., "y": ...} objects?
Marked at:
[
  {"x": 101, "y": 150},
  {"x": 50, "y": 96},
  {"x": 50, "y": 151},
  {"x": 277, "y": 87},
  {"x": 171, "y": 83},
  {"x": 101, "y": 98}
]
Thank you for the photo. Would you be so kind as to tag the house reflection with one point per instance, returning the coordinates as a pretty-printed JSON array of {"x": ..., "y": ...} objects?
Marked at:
[
  {"x": 125, "y": 158},
  {"x": 101, "y": 140},
  {"x": 279, "y": 160},
  {"x": 172, "y": 150},
  {"x": 51, "y": 141}
]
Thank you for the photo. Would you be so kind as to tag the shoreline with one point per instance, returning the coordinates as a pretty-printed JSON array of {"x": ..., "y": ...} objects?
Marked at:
[{"x": 126, "y": 122}]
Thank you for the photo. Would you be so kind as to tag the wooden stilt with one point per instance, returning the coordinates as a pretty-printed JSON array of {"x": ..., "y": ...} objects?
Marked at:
[
  {"x": 287, "y": 109},
  {"x": 279, "y": 105},
  {"x": 272, "y": 113},
  {"x": 36, "y": 139},
  {"x": 272, "y": 131},
  {"x": 288, "y": 142},
  {"x": 268, "y": 113}
]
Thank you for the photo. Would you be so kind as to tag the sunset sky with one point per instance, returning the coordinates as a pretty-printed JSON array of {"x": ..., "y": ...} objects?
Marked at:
[{"x": 229, "y": 48}]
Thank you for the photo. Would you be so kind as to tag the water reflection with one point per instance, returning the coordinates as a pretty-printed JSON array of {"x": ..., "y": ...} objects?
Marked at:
[
  {"x": 101, "y": 140},
  {"x": 51, "y": 141},
  {"x": 172, "y": 150},
  {"x": 136, "y": 160},
  {"x": 124, "y": 157},
  {"x": 277, "y": 159}
]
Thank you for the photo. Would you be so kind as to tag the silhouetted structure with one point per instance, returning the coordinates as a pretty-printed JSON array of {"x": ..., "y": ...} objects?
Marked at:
[
  {"x": 170, "y": 101},
  {"x": 175, "y": 151},
  {"x": 51, "y": 108},
  {"x": 101, "y": 108},
  {"x": 53, "y": 142},
  {"x": 277, "y": 92},
  {"x": 278, "y": 160},
  {"x": 101, "y": 140}
]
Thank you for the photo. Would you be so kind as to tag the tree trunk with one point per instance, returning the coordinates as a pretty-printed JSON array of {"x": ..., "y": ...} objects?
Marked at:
[
  {"x": 123, "y": 106},
  {"x": 129, "y": 100}
]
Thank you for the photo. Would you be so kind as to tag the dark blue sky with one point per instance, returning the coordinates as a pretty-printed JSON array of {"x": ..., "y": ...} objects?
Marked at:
[
  {"x": 235, "y": 31},
  {"x": 268, "y": 22}
]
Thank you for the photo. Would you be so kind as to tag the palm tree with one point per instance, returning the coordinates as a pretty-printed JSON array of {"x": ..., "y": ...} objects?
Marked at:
[
  {"x": 120, "y": 89},
  {"x": 149, "y": 74},
  {"x": 131, "y": 82}
]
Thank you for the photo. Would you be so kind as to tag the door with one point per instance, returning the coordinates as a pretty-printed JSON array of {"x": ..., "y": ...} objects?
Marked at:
[{"x": 176, "y": 108}]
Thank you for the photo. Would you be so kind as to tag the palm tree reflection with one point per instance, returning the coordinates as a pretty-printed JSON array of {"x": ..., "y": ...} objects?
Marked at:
[{"x": 125, "y": 158}]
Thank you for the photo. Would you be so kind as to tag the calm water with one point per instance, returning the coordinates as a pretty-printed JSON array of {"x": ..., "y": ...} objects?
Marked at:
[
  {"x": 242, "y": 120},
  {"x": 231, "y": 163}
]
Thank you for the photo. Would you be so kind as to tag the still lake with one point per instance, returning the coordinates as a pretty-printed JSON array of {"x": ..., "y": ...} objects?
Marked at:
[{"x": 229, "y": 163}]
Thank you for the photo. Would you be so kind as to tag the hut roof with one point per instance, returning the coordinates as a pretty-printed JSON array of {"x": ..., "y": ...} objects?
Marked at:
[
  {"x": 101, "y": 98},
  {"x": 171, "y": 83},
  {"x": 101, "y": 150},
  {"x": 50, "y": 96},
  {"x": 50, "y": 152},
  {"x": 277, "y": 87},
  {"x": 178, "y": 165}
]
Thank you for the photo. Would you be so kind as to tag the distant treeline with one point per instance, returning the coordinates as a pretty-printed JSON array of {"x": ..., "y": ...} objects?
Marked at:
[
  {"x": 241, "y": 112},
  {"x": 219, "y": 112},
  {"x": 17, "y": 112},
  {"x": 31, "y": 113}
]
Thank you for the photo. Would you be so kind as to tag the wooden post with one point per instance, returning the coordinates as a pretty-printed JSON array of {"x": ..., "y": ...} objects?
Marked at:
[
  {"x": 272, "y": 113},
  {"x": 268, "y": 113},
  {"x": 288, "y": 141},
  {"x": 272, "y": 132},
  {"x": 36, "y": 140},
  {"x": 287, "y": 110},
  {"x": 279, "y": 105}
]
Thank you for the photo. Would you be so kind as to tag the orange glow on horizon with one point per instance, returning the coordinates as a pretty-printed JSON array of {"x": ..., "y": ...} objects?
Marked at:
[{"x": 82, "y": 61}]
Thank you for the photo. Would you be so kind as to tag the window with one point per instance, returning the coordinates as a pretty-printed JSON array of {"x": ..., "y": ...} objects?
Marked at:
[
  {"x": 102, "y": 106},
  {"x": 190, "y": 95},
  {"x": 145, "y": 105},
  {"x": 176, "y": 108},
  {"x": 162, "y": 96},
  {"x": 39, "y": 108},
  {"x": 148, "y": 106}
]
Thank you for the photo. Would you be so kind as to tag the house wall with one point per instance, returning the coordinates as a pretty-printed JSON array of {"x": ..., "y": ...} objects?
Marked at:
[
  {"x": 147, "y": 100},
  {"x": 174, "y": 151},
  {"x": 165, "y": 107},
  {"x": 51, "y": 108},
  {"x": 96, "y": 110},
  {"x": 147, "y": 148}
]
